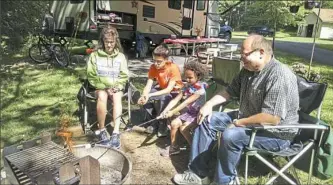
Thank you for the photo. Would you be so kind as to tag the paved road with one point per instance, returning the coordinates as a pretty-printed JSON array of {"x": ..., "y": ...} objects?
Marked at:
[{"x": 304, "y": 50}]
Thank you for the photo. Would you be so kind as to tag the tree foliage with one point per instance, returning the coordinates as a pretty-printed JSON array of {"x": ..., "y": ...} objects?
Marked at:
[
  {"x": 265, "y": 12},
  {"x": 327, "y": 4},
  {"x": 19, "y": 19}
]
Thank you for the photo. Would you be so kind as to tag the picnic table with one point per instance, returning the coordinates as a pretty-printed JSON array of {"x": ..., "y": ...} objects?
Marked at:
[{"x": 185, "y": 42}]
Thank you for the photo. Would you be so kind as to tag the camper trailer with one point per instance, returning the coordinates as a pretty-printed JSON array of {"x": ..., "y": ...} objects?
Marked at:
[{"x": 154, "y": 20}]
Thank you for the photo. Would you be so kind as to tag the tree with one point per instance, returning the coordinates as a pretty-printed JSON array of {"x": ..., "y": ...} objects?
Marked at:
[
  {"x": 269, "y": 12},
  {"x": 234, "y": 11},
  {"x": 224, "y": 5},
  {"x": 327, "y": 4},
  {"x": 19, "y": 19}
]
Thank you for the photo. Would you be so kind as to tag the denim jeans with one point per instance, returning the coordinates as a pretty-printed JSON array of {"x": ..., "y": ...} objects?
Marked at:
[{"x": 233, "y": 141}]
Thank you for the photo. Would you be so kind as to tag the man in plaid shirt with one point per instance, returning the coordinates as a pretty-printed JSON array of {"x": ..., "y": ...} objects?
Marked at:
[{"x": 268, "y": 94}]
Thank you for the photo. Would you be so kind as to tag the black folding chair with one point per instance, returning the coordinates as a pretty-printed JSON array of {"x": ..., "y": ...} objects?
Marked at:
[{"x": 87, "y": 97}]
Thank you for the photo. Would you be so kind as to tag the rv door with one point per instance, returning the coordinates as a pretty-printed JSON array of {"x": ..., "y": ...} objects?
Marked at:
[
  {"x": 187, "y": 17},
  {"x": 212, "y": 19},
  {"x": 199, "y": 17}
]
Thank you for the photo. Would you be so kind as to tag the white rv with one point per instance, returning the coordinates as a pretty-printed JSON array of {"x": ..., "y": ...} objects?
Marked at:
[{"x": 154, "y": 19}]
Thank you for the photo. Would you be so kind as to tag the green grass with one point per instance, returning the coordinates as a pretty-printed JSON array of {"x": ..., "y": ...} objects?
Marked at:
[
  {"x": 282, "y": 36},
  {"x": 33, "y": 98},
  {"x": 320, "y": 43}
]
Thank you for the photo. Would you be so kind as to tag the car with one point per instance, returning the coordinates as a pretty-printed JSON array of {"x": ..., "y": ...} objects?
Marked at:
[
  {"x": 225, "y": 33},
  {"x": 261, "y": 30}
]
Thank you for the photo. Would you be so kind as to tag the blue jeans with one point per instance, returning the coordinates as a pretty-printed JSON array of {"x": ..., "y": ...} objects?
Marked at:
[{"x": 233, "y": 141}]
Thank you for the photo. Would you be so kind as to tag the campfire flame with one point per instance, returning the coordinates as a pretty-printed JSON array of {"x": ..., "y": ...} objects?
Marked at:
[{"x": 64, "y": 133}]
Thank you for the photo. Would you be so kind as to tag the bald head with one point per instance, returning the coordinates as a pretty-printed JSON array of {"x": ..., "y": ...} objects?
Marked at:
[
  {"x": 259, "y": 42},
  {"x": 256, "y": 52}
]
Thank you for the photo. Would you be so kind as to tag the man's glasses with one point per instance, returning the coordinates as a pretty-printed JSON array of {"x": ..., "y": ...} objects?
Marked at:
[{"x": 243, "y": 55}]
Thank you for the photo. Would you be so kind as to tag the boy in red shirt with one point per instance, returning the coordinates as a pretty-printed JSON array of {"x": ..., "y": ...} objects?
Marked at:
[{"x": 169, "y": 82}]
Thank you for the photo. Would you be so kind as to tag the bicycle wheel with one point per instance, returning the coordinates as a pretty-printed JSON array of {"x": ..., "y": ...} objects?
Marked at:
[
  {"x": 39, "y": 53},
  {"x": 61, "y": 55}
]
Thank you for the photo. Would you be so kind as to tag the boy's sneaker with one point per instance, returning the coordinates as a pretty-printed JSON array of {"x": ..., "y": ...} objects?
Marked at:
[
  {"x": 169, "y": 151},
  {"x": 115, "y": 141},
  {"x": 102, "y": 137},
  {"x": 162, "y": 130},
  {"x": 149, "y": 130}
]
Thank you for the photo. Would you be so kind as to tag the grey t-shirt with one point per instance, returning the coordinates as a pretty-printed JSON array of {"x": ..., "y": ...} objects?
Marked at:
[{"x": 273, "y": 90}]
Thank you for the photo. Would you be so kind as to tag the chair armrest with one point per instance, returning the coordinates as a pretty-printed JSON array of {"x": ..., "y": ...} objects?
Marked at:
[
  {"x": 132, "y": 76},
  {"x": 220, "y": 82},
  {"x": 299, "y": 126},
  {"x": 254, "y": 128},
  {"x": 82, "y": 79}
]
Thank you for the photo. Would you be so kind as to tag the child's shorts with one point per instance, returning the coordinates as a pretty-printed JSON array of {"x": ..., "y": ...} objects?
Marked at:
[{"x": 189, "y": 116}]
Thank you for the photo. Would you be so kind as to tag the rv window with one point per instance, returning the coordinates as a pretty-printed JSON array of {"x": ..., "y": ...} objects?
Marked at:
[
  {"x": 201, "y": 4},
  {"x": 76, "y": 1},
  {"x": 174, "y": 4},
  {"x": 148, "y": 11},
  {"x": 188, "y": 4}
]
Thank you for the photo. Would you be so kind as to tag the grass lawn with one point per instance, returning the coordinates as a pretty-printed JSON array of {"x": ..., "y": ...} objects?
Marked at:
[
  {"x": 281, "y": 36},
  {"x": 34, "y": 98}
]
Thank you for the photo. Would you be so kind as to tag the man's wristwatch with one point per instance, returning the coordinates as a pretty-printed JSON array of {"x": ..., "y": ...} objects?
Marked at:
[{"x": 234, "y": 122}]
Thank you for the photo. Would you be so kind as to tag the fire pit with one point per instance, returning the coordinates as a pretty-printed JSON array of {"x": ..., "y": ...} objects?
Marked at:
[
  {"x": 115, "y": 167},
  {"x": 41, "y": 161}
]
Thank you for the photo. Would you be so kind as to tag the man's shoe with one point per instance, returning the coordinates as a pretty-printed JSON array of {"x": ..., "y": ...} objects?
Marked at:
[
  {"x": 115, "y": 141},
  {"x": 162, "y": 130},
  {"x": 189, "y": 178},
  {"x": 102, "y": 137}
]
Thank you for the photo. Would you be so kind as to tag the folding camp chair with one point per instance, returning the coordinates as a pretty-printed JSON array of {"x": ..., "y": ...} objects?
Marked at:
[
  {"x": 87, "y": 97},
  {"x": 311, "y": 96},
  {"x": 224, "y": 70}
]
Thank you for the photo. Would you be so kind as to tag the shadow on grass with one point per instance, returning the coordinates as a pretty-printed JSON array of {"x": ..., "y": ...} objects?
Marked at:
[
  {"x": 33, "y": 98},
  {"x": 8, "y": 77}
]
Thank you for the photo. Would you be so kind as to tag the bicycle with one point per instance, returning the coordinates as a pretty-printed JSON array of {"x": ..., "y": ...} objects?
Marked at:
[{"x": 44, "y": 51}]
